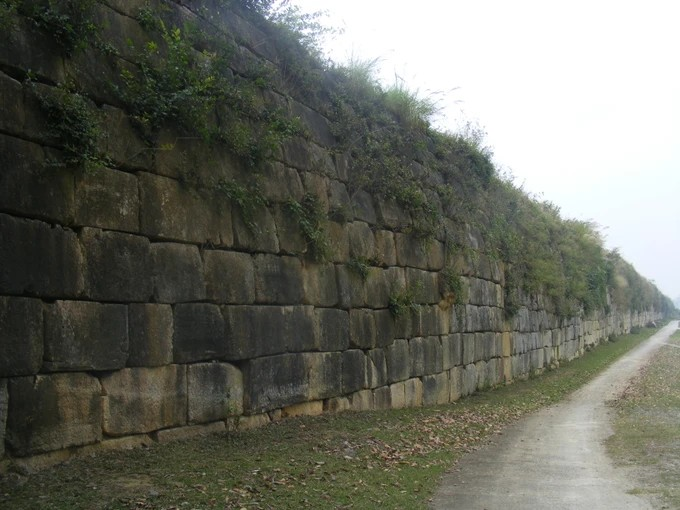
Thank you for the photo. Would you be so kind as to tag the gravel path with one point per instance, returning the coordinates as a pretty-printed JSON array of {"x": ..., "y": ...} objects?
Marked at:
[{"x": 555, "y": 458}]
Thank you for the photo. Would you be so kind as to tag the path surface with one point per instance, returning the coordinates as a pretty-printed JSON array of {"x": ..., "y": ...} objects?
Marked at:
[{"x": 555, "y": 458}]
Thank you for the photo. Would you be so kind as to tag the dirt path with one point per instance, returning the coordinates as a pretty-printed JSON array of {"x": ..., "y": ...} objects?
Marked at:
[{"x": 555, "y": 458}]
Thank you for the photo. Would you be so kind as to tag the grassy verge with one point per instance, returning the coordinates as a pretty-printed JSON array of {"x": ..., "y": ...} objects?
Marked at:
[
  {"x": 389, "y": 459},
  {"x": 647, "y": 427}
]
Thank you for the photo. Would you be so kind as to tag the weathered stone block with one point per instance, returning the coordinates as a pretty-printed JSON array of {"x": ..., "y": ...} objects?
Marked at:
[
  {"x": 377, "y": 368},
  {"x": 229, "y": 277},
  {"x": 253, "y": 331},
  {"x": 425, "y": 284},
  {"x": 361, "y": 240},
  {"x": 318, "y": 126},
  {"x": 28, "y": 186},
  {"x": 436, "y": 389},
  {"x": 392, "y": 215},
  {"x": 361, "y": 329},
  {"x": 339, "y": 202},
  {"x": 425, "y": 355},
  {"x": 51, "y": 412},
  {"x": 215, "y": 392},
  {"x": 278, "y": 280},
  {"x": 150, "y": 332},
  {"x": 469, "y": 353},
  {"x": 339, "y": 240},
  {"x": 398, "y": 361},
  {"x": 121, "y": 140},
  {"x": 452, "y": 351},
  {"x": 117, "y": 266},
  {"x": 377, "y": 288},
  {"x": 199, "y": 333},
  {"x": 12, "y": 111},
  {"x": 413, "y": 393},
  {"x": 139, "y": 400},
  {"x": 411, "y": 252},
  {"x": 38, "y": 259},
  {"x": 106, "y": 198},
  {"x": 171, "y": 211},
  {"x": 456, "y": 383},
  {"x": 325, "y": 374},
  {"x": 385, "y": 248},
  {"x": 469, "y": 379},
  {"x": 21, "y": 336},
  {"x": 351, "y": 288},
  {"x": 336, "y": 405},
  {"x": 290, "y": 237},
  {"x": 332, "y": 329},
  {"x": 280, "y": 183},
  {"x": 4, "y": 402},
  {"x": 177, "y": 273},
  {"x": 398, "y": 395},
  {"x": 382, "y": 398},
  {"x": 319, "y": 285},
  {"x": 275, "y": 381},
  {"x": 361, "y": 400},
  {"x": 362, "y": 204},
  {"x": 81, "y": 335},
  {"x": 257, "y": 233},
  {"x": 384, "y": 328},
  {"x": 354, "y": 371}
]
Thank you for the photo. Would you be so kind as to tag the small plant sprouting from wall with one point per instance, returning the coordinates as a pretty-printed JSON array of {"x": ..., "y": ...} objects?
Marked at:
[
  {"x": 73, "y": 121},
  {"x": 403, "y": 301},
  {"x": 453, "y": 285},
  {"x": 310, "y": 218},
  {"x": 248, "y": 199},
  {"x": 360, "y": 266},
  {"x": 69, "y": 22}
]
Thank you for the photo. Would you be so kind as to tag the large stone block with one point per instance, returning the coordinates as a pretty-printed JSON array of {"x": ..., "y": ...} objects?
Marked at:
[
  {"x": 425, "y": 355},
  {"x": 52, "y": 412},
  {"x": 362, "y": 332},
  {"x": 436, "y": 389},
  {"x": 278, "y": 280},
  {"x": 361, "y": 240},
  {"x": 398, "y": 361},
  {"x": 229, "y": 277},
  {"x": 215, "y": 392},
  {"x": 332, "y": 329},
  {"x": 469, "y": 380},
  {"x": 38, "y": 259},
  {"x": 177, "y": 273},
  {"x": 253, "y": 331},
  {"x": 121, "y": 141},
  {"x": 257, "y": 233},
  {"x": 392, "y": 215},
  {"x": 339, "y": 240},
  {"x": 469, "y": 345},
  {"x": 452, "y": 351},
  {"x": 4, "y": 402},
  {"x": 117, "y": 266},
  {"x": 362, "y": 205},
  {"x": 273, "y": 382},
  {"x": 351, "y": 288},
  {"x": 150, "y": 331},
  {"x": 199, "y": 333},
  {"x": 385, "y": 248},
  {"x": 29, "y": 186},
  {"x": 376, "y": 368},
  {"x": 339, "y": 202},
  {"x": 21, "y": 336},
  {"x": 456, "y": 383},
  {"x": 81, "y": 335},
  {"x": 425, "y": 285},
  {"x": 280, "y": 183},
  {"x": 12, "y": 111},
  {"x": 354, "y": 371},
  {"x": 413, "y": 392},
  {"x": 377, "y": 288},
  {"x": 385, "y": 328},
  {"x": 171, "y": 211},
  {"x": 319, "y": 285},
  {"x": 139, "y": 400},
  {"x": 411, "y": 251},
  {"x": 398, "y": 395},
  {"x": 107, "y": 199},
  {"x": 325, "y": 374}
]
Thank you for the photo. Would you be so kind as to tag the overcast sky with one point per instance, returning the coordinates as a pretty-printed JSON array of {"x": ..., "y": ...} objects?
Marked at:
[{"x": 580, "y": 100}]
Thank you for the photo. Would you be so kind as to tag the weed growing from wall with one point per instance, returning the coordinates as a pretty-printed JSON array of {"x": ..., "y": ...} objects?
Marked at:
[
  {"x": 310, "y": 217},
  {"x": 69, "y": 22},
  {"x": 402, "y": 302},
  {"x": 248, "y": 199},
  {"x": 73, "y": 120},
  {"x": 359, "y": 266}
]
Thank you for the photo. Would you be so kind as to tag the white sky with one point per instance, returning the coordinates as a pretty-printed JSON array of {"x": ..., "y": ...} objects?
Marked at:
[{"x": 580, "y": 100}]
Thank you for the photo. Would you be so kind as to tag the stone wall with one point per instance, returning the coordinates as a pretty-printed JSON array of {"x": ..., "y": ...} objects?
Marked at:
[{"x": 136, "y": 305}]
